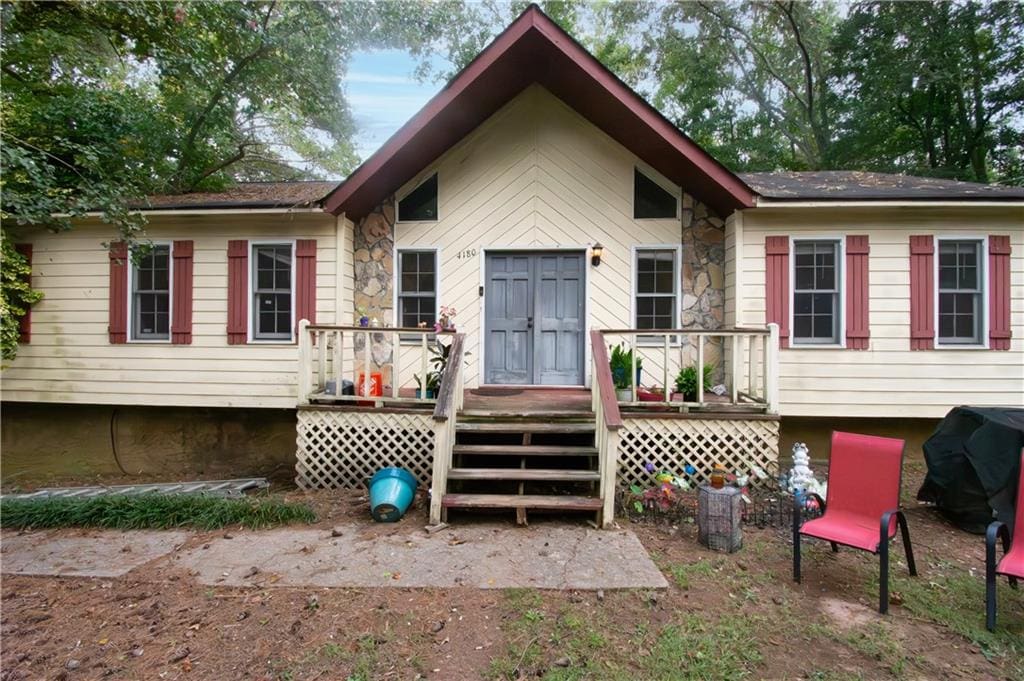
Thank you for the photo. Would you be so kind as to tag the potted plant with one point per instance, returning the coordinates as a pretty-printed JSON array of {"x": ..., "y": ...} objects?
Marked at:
[
  {"x": 433, "y": 383},
  {"x": 621, "y": 364},
  {"x": 686, "y": 383}
]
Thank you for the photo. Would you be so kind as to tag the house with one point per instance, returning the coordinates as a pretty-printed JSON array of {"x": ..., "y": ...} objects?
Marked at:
[{"x": 558, "y": 213}]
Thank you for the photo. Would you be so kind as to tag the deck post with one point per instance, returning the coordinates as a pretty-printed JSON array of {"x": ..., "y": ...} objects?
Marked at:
[
  {"x": 771, "y": 372},
  {"x": 735, "y": 387},
  {"x": 305, "y": 359}
]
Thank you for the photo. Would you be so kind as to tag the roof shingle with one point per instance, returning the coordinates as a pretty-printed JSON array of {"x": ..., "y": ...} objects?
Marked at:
[
  {"x": 842, "y": 185},
  {"x": 247, "y": 195}
]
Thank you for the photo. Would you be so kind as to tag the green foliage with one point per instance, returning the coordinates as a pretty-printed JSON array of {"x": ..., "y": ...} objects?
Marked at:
[
  {"x": 153, "y": 511},
  {"x": 686, "y": 381},
  {"x": 621, "y": 363},
  {"x": 705, "y": 649},
  {"x": 16, "y": 296}
]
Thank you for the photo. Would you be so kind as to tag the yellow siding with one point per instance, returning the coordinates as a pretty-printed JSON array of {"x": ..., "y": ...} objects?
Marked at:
[
  {"x": 535, "y": 175},
  {"x": 71, "y": 360},
  {"x": 888, "y": 380}
]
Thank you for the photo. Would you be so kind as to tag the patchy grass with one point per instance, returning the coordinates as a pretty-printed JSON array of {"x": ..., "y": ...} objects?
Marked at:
[
  {"x": 152, "y": 511},
  {"x": 700, "y": 648},
  {"x": 683, "y": 573}
]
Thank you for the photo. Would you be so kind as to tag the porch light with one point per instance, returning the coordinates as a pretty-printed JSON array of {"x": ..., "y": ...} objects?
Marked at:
[{"x": 596, "y": 251}]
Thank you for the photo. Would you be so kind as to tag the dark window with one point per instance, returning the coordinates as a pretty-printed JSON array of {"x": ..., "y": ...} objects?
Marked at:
[
  {"x": 960, "y": 292},
  {"x": 650, "y": 200},
  {"x": 816, "y": 292},
  {"x": 272, "y": 292},
  {"x": 656, "y": 289},
  {"x": 417, "y": 288},
  {"x": 420, "y": 203},
  {"x": 151, "y": 295}
]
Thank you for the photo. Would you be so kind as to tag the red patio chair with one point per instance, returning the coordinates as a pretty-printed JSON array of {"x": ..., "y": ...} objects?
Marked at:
[
  {"x": 862, "y": 509},
  {"x": 1012, "y": 563}
]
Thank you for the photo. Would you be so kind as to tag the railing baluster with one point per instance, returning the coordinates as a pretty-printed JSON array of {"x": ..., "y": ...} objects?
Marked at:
[
  {"x": 751, "y": 365},
  {"x": 668, "y": 393},
  {"x": 337, "y": 366},
  {"x": 765, "y": 388},
  {"x": 321, "y": 360},
  {"x": 700, "y": 369},
  {"x": 632, "y": 376},
  {"x": 366, "y": 364},
  {"x": 305, "y": 359},
  {"x": 423, "y": 367},
  {"x": 735, "y": 368},
  {"x": 396, "y": 372}
]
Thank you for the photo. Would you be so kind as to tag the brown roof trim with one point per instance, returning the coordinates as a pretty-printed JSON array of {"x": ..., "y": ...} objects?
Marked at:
[{"x": 535, "y": 49}]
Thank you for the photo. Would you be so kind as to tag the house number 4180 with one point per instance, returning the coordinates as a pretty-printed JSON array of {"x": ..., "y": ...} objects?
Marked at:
[{"x": 468, "y": 253}]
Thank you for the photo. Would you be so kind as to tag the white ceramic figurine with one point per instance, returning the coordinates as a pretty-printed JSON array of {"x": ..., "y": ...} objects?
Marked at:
[{"x": 802, "y": 477}]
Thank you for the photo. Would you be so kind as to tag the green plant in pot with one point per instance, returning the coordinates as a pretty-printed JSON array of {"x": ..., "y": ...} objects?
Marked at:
[
  {"x": 686, "y": 383},
  {"x": 621, "y": 364},
  {"x": 433, "y": 383}
]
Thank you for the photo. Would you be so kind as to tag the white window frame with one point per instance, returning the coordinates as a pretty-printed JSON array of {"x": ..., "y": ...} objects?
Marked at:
[
  {"x": 983, "y": 280},
  {"x": 419, "y": 182},
  {"x": 658, "y": 179},
  {"x": 170, "y": 297},
  {"x": 840, "y": 240},
  {"x": 677, "y": 280},
  {"x": 397, "y": 282},
  {"x": 251, "y": 331}
]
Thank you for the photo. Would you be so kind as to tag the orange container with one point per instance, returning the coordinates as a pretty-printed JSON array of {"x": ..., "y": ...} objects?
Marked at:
[{"x": 375, "y": 389}]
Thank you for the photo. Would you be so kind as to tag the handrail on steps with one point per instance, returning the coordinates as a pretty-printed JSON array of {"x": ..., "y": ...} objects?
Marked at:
[
  {"x": 450, "y": 380},
  {"x": 449, "y": 400},
  {"x": 604, "y": 384}
]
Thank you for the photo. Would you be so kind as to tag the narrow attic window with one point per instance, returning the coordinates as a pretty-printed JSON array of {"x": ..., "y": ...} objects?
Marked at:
[
  {"x": 421, "y": 203},
  {"x": 650, "y": 200}
]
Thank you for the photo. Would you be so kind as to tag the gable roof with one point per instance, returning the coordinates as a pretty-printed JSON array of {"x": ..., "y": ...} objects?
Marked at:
[
  {"x": 535, "y": 49},
  {"x": 842, "y": 185}
]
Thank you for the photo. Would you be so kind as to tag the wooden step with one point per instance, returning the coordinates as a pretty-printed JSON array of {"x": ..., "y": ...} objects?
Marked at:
[
  {"x": 542, "y": 501},
  {"x": 527, "y": 415},
  {"x": 541, "y": 474},
  {"x": 523, "y": 427},
  {"x": 525, "y": 450}
]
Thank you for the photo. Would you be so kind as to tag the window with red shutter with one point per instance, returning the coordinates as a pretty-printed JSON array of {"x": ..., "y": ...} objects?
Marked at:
[
  {"x": 999, "y": 292},
  {"x": 117, "y": 325},
  {"x": 776, "y": 249},
  {"x": 181, "y": 296},
  {"x": 922, "y": 292},
  {"x": 238, "y": 292},
  {"x": 305, "y": 281},
  {"x": 858, "y": 330}
]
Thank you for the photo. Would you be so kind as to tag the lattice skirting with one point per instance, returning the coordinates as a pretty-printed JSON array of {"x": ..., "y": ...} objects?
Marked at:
[
  {"x": 345, "y": 448},
  {"x": 670, "y": 444}
]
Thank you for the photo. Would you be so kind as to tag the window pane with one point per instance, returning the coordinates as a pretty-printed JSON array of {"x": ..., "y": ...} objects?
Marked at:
[
  {"x": 968, "y": 277},
  {"x": 802, "y": 303},
  {"x": 964, "y": 326},
  {"x": 663, "y": 306},
  {"x": 947, "y": 277},
  {"x": 420, "y": 203},
  {"x": 964, "y": 303},
  {"x": 663, "y": 282},
  {"x": 946, "y": 303},
  {"x": 826, "y": 278},
  {"x": 650, "y": 200},
  {"x": 266, "y": 321},
  {"x": 645, "y": 282},
  {"x": 802, "y": 326},
  {"x": 644, "y": 305},
  {"x": 163, "y": 323},
  {"x": 409, "y": 261},
  {"x": 823, "y": 326},
  {"x": 946, "y": 325},
  {"x": 823, "y": 303},
  {"x": 282, "y": 279},
  {"x": 426, "y": 283},
  {"x": 426, "y": 261},
  {"x": 804, "y": 278},
  {"x": 284, "y": 321}
]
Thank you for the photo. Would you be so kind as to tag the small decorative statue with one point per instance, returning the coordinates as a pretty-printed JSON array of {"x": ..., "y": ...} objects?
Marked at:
[{"x": 801, "y": 477}]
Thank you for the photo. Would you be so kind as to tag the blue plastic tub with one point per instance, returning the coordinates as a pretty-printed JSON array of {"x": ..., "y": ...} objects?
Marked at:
[{"x": 391, "y": 492}]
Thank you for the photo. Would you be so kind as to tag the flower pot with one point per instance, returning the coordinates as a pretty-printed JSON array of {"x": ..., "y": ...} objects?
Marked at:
[
  {"x": 391, "y": 492},
  {"x": 650, "y": 396},
  {"x": 430, "y": 394},
  {"x": 624, "y": 395}
]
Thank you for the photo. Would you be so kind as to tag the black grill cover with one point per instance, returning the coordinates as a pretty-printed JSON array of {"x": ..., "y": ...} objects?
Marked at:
[{"x": 973, "y": 462}]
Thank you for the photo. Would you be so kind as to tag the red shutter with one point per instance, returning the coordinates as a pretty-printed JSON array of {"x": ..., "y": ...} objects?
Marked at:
[
  {"x": 858, "y": 329},
  {"x": 181, "y": 297},
  {"x": 25, "y": 323},
  {"x": 238, "y": 292},
  {"x": 305, "y": 281},
  {"x": 776, "y": 281},
  {"x": 922, "y": 292},
  {"x": 118, "y": 304},
  {"x": 999, "y": 292}
]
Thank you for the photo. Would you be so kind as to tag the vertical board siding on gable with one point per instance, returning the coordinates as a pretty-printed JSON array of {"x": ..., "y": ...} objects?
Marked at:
[
  {"x": 71, "y": 360},
  {"x": 999, "y": 292},
  {"x": 181, "y": 296},
  {"x": 536, "y": 174},
  {"x": 858, "y": 329},
  {"x": 888, "y": 379}
]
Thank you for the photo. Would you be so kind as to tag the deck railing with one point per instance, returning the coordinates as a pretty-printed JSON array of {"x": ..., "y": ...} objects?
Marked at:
[
  {"x": 330, "y": 355},
  {"x": 449, "y": 401},
  {"x": 747, "y": 363},
  {"x": 607, "y": 422}
]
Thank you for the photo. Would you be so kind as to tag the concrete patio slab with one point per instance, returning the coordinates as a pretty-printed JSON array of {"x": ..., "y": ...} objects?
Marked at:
[
  {"x": 485, "y": 557},
  {"x": 107, "y": 553}
]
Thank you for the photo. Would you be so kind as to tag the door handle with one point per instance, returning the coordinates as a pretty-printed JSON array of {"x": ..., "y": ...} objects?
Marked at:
[{"x": 529, "y": 322}]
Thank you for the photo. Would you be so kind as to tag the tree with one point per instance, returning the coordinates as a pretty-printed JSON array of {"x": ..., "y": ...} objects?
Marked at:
[{"x": 934, "y": 88}]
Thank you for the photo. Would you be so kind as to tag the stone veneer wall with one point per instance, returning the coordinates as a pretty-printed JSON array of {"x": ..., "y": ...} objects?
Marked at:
[
  {"x": 373, "y": 260},
  {"x": 703, "y": 272}
]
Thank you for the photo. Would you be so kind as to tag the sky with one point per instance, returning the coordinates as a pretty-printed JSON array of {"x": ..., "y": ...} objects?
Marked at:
[{"x": 383, "y": 94}]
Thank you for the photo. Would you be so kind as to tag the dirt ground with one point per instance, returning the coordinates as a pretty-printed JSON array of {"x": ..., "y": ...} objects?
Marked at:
[{"x": 722, "y": 617}]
